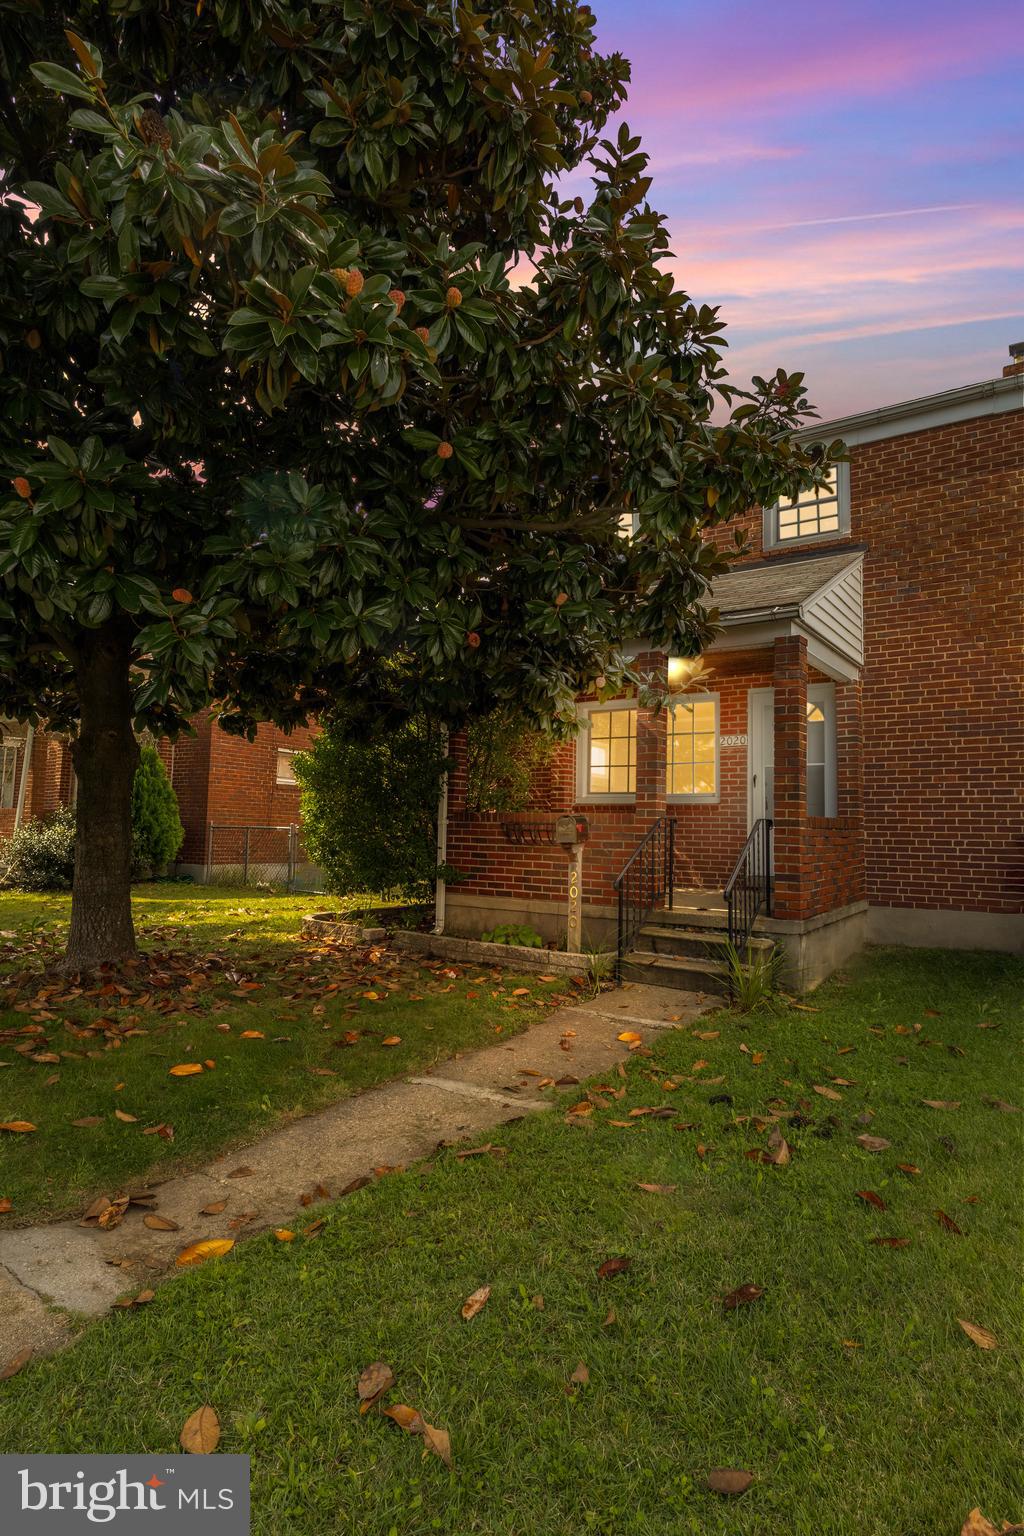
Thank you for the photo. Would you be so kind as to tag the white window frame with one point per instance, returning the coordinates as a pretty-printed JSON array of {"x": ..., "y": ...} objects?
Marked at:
[
  {"x": 584, "y": 795},
  {"x": 10, "y": 761},
  {"x": 770, "y": 531},
  {"x": 288, "y": 752},
  {"x": 694, "y": 798},
  {"x": 824, "y": 696}
]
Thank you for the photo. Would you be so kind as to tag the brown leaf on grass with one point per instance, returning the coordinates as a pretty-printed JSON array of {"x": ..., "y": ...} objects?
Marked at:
[
  {"x": 988, "y": 1024},
  {"x": 948, "y": 1223},
  {"x": 911, "y": 1169},
  {"x": 159, "y": 1223},
  {"x": 827, "y": 1093},
  {"x": 373, "y": 1382},
  {"x": 1002, "y": 1106},
  {"x": 612, "y": 1267},
  {"x": 252, "y": 1034},
  {"x": 610, "y": 1318},
  {"x": 475, "y": 1303},
  {"x": 658, "y": 1189},
  {"x": 729, "y": 1480},
  {"x": 437, "y": 1440},
  {"x": 17, "y": 1127},
  {"x": 942, "y": 1103},
  {"x": 214, "y": 1209},
  {"x": 284, "y": 1234},
  {"x": 629, "y": 1037},
  {"x": 890, "y": 1242},
  {"x": 706, "y": 1034},
  {"x": 538, "y": 1302},
  {"x": 579, "y": 1378},
  {"x": 392, "y": 1040},
  {"x": 96, "y": 1209},
  {"x": 742, "y": 1296},
  {"x": 15, "y": 1364},
  {"x": 873, "y": 1143},
  {"x": 208, "y": 1248},
  {"x": 980, "y": 1336},
  {"x": 185, "y": 1069},
  {"x": 977, "y": 1525},
  {"x": 315, "y": 1227},
  {"x": 126, "y": 1119},
  {"x": 87, "y": 1122},
  {"x": 401, "y": 1414},
  {"x": 127, "y": 1302},
  {"x": 5, "y": 1206},
  {"x": 779, "y": 1150},
  {"x": 871, "y": 1198},
  {"x": 321, "y": 1072},
  {"x": 200, "y": 1433}
]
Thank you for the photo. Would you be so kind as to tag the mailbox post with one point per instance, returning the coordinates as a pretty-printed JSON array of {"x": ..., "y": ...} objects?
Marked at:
[{"x": 571, "y": 833}]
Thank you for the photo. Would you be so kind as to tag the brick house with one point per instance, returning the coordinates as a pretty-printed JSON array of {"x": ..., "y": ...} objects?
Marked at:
[{"x": 864, "y": 698}]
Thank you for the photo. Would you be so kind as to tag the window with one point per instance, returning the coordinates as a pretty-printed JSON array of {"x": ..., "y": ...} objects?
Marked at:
[
  {"x": 820, "y": 513},
  {"x": 607, "y": 753},
  {"x": 692, "y": 766},
  {"x": 9, "y": 751},
  {"x": 821, "y": 750},
  {"x": 285, "y": 770}
]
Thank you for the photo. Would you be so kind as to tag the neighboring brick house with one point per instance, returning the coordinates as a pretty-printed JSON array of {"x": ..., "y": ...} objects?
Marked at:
[
  {"x": 864, "y": 695},
  {"x": 223, "y": 784}
]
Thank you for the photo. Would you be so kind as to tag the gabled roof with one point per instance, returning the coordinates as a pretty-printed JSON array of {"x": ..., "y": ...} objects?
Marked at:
[
  {"x": 818, "y": 596},
  {"x": 781, "y": 584}
]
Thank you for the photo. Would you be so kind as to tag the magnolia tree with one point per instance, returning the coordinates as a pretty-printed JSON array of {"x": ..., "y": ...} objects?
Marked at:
[{"x": 312, "y": 373}]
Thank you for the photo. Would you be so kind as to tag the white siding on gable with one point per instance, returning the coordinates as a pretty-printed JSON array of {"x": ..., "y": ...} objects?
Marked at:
[{"x": 836, "y": 613}]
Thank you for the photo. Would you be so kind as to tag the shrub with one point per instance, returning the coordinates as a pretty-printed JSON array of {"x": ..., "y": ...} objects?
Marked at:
[
  {"x": 40, "y": 855},
  {"x": 753, "y": 978},
  {"x": 157, "y": 832},
  {"x": 514, "y": 933},
  {"x": 369, "y": 807}
]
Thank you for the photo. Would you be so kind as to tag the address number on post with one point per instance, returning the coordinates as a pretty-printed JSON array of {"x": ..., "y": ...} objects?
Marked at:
[{"x": 733, "y": 741}]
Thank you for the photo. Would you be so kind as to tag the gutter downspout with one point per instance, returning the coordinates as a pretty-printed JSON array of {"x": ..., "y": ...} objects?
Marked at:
[
  {"x": 442, "y": 848},
  {"x": 22, "y": 787}
]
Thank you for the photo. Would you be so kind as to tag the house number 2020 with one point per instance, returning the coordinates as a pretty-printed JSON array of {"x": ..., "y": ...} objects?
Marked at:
[{"x": 733, "y": 741}]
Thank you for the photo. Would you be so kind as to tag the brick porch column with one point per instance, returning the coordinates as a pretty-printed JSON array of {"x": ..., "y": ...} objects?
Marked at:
[
  {"x": 651, "y": 756},
  {"x": 792, "y": 860}
]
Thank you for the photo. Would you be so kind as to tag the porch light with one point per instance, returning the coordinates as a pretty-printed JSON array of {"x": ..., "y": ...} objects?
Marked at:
[{"x": 682, "y": 669}]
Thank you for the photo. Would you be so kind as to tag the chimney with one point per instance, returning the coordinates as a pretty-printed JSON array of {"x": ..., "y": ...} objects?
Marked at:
[{"x": 1016, "y": 363}]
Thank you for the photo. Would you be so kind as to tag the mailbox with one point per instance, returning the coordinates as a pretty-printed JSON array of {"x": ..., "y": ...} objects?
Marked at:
[{"x": 571, "y": 829}]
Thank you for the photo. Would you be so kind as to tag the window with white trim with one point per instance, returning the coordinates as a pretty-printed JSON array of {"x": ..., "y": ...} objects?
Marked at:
[
  {"x": 823, "y": 512},
  {"x": 692, "y": 759},
  {"x": 285, "y": 766},
  {"x": 10, "y": 751},
  {"x": 821, "y": 750},
  {"x": 607, "y": 753}
]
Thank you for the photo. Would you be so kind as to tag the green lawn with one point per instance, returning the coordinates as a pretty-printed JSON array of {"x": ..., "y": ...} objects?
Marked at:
[
  {"x": 233, "y": 963},
  {"x": 848, "y": 1389}
]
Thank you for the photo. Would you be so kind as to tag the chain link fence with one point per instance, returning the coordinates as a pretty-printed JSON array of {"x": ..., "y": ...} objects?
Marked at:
[{"x": 259, "y": 854}]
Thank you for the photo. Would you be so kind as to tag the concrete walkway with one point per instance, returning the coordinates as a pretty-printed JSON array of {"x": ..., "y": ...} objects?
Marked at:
[{"x": 49, "y": 1272}]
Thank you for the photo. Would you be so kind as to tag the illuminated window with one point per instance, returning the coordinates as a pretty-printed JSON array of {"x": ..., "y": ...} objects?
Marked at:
[
  {"x": 819, "y": 513},
  {"x": 821, "y": 750},
  {"x": 692, "y": 766},
  {"x": 609, "y": 752},
  {"x": 285, "y": 768}
]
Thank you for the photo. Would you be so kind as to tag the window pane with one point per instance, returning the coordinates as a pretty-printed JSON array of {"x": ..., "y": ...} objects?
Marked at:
[
  {"x": 612, "y": 752},
  {"x": 598, "y": 780},
  {"x": 704, "y": 716},
  {"x": 682, "y": 781},
  {"x": 692, "y": 748},
  {"x": 620, "y": 721},
  {"x": 816, "y": 789},
  {"x": 619, "y": 781},
  {"x": 704, "y": 779},
  {"x": 620, "y": 746},
  {"x": 704, "y": 749}
]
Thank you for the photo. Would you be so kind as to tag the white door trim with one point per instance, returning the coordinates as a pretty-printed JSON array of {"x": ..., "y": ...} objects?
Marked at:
[{"x": 755, "y": 745}]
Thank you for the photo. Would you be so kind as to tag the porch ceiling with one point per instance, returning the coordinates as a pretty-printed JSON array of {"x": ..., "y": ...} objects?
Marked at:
[{"x": 817, "y": 596}]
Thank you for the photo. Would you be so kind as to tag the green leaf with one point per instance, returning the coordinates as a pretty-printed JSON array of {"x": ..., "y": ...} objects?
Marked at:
[{"x": 55, "y": 78}]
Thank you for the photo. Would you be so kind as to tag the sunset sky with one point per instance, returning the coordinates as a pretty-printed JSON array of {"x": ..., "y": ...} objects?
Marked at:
[{"x": 844, "y": 179}]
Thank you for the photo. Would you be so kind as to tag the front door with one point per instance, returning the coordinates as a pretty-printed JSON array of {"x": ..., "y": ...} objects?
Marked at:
[{"x": 761, "y": 754}]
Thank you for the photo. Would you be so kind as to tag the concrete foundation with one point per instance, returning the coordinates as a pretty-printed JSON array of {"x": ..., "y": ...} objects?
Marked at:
[
  {"x": 923, "y": 928},
  {"x": 470, "y": 916}
]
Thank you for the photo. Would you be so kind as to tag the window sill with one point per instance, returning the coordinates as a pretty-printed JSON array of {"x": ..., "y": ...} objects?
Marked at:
[{"x": 693, "y": 799}]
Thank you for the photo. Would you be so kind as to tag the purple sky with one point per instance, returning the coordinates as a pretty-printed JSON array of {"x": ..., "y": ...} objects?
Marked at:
[{"x": 844, "y": 179}]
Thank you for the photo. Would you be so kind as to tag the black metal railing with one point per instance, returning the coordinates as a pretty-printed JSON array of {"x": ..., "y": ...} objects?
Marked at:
[
  {"x": 646, "y": 880},
  {"x": 748, "y": 890}
]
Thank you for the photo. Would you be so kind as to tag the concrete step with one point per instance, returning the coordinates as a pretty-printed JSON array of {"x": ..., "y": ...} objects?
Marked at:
[
  {"x": 675, "y": 939},
  {"x": 690, "y": 974},
  {"x": 714, "y": 919}
]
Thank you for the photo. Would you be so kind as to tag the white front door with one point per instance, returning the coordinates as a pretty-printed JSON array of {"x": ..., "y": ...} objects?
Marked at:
[{"x": 761, "y": 754}]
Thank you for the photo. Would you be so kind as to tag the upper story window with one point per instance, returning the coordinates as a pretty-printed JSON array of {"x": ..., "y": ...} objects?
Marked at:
[
  {"x": 820, "y": 513},
  {"x": 606, "y": 752},
  {"x": 692, "y": 760},
  {"x": 285, "y": 766}
]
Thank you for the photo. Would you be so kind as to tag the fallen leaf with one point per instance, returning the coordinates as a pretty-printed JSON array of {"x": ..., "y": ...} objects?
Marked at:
[
  {"x": 980, "y": 1336},
  {"x": 284, "y": 1235},
  {"x": 871, "y": 1198},
  {"x": 401, "y": 1414},
  {"x": 827, "y": 1093},
  {"x": 437, "y": 1440},
  {"x": 1002, "y": 1106},
  {"x": 779, "y": 1151},
  {"x": 706, "y": 1034},
  {"x": 240, "y": 1173},
  {"x": 616, "y": 1266},
  {"x": 392, "y": 1040},
  {"x": 742, "y": 1297},
  {"x": 610, "y": 1318},
  {"x": 159, "y": 1223},
  {"x": 315, "y": 1227},
  {"x": 200, "y": 1434},
  {"x": 579, "y": 1378},
  {"x": 208, "y": 1248},
  {"x": 252, "y": 1034},
  {"x": 629, "y": 1037},
  {"x": 15, "y": 1364},
  {"x": 88, "y": 1121},
  {"x": 373, "y": 1382},
  {"x": 948, "y": 1222},
  {"x": 873, "y": 1143},
  {"x": 729, "y": 1480},
  {"x": 890, "y": 1242},
  {"x": 214, "y": 1209},
  {"x": 942, "y": 1103},
  {"x": 127, "y": 1119},
  {"x": 19, "y": 1127},
  {"x": 186, "y": 1069},
  {"x": 476, "y": 1303},
  {"x": 909, "y": 1168},
  {"x": 5, "y": 1206},
  {"x": 658, "y": 1189},
  {"x": 977, "y": 1525}
]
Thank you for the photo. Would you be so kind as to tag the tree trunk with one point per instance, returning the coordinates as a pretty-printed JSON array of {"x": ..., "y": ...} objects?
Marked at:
[{"x": 105, "y": 754}]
